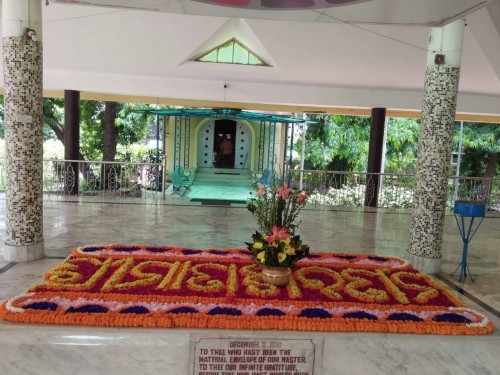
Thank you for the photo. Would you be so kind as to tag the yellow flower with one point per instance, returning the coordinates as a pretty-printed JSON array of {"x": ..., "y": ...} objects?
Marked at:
[
  {"x": 286, "y": 240},
  {"x": 281, "y": 257},
  {"x": 262, "y": 256},
  {"x": 289, "y": 250},
  {"x": 257, "y": 245}
]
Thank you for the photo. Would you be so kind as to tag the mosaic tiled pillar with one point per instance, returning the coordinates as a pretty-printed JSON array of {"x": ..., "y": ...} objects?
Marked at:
[
  {"x": 22, "y": 64},
  {"x": 434, "y": 152}
]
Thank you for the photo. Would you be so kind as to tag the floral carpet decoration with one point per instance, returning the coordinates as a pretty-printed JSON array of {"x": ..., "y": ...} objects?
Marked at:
[{"x": 129, "y": 286}]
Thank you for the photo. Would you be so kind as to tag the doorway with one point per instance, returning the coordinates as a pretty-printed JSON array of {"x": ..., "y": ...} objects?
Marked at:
[
  {"x": 209, "y": 144},
  {"x": 224, "y": 131}
]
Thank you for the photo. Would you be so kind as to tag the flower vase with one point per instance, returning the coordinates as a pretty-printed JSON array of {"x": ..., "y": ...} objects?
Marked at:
[{"x": 278, "y": 276}]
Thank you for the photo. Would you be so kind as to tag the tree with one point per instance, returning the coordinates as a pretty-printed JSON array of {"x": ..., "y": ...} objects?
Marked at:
[
  {"x": 480, "y": 148},
  {"x": 92, "y": 129},
  {"x": 105, "y": 124},
  {"x": 132, "y": 125},
  {"x": 53, "y": 119},
  {"x": 337, "y": 142},
  {"x": 340, "y": 143},
  {"x": 124, "y": 126},
  {"x": 109, "y": 132},
  {"x": 401, "y": 146}
]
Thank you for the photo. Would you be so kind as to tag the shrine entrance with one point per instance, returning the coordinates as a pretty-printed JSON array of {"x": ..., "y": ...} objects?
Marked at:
[{"x": 210, "y": 138}]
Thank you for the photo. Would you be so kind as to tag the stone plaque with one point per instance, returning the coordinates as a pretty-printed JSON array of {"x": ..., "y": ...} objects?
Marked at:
[{"x": 255, "y": 356}]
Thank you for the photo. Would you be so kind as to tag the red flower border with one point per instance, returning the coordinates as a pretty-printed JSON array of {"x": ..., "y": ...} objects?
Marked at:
[{"x": 129, "y": 286}]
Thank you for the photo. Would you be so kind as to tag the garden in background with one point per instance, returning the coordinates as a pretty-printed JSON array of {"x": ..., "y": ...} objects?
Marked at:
[{"x": 333, "y": 170}]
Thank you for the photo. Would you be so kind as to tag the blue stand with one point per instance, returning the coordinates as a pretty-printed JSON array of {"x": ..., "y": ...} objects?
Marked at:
[{"x": 472, "y": 210}]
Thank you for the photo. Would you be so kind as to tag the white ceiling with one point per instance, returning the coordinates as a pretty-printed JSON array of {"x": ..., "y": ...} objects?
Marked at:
[
  {"x": 322, "y": 63},
  {"x": 407, "y": 12}
]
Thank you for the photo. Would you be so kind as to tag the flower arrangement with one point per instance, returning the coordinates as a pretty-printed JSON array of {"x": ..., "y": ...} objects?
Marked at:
[{"x": 276, "y": 210}]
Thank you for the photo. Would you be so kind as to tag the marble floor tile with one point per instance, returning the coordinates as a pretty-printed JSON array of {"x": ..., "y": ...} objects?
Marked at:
[
  {"x": 20, "y": 276},
  {"x": 46, "y": 349}
]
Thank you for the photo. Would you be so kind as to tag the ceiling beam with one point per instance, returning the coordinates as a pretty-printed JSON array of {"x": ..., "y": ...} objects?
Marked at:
[{"x": 348, "y": 111}]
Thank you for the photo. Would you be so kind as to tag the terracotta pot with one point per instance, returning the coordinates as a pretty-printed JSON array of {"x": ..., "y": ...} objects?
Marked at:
[{"x": 277, "y": 276}]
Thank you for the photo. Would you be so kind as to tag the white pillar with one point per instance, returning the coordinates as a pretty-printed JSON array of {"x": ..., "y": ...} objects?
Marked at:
[
  {"x": 447, "y": 41},
  {"x": 22, "y": 63},
  {"x": 434, "y": 151},
  {"x": 20, "y": 14}
]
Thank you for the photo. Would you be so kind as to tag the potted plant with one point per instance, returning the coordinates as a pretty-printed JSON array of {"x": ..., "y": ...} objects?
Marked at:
[{"x": 275, "y": 246}]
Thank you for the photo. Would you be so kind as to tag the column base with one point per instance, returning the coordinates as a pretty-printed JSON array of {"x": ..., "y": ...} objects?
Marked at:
[
  {"x": 428, "y": 265},
  {"x": 23, "y": 253}
]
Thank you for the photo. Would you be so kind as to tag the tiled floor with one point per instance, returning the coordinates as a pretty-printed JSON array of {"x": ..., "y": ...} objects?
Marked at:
[{"x": 37, "y": 349}]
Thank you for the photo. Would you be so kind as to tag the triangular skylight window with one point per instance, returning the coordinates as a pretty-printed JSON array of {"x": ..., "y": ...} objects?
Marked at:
[{"x": 231, "y": 52}]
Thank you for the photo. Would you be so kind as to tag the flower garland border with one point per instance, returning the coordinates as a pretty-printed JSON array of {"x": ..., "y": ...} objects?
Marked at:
[
  {"x": 235, "y": 254},
  {"x": 237, "y": 313},
  {"x": 10, "y": 310}
]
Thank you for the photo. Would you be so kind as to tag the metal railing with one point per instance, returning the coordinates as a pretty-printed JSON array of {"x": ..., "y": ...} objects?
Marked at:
[
  {"x": 102, "y": 179},
  {"x": 334, "y": 188},
  {"x": 325, "y": 188}
]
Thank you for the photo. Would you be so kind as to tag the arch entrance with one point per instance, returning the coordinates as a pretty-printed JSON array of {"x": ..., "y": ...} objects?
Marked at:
[{"x": 210, "y": 138}]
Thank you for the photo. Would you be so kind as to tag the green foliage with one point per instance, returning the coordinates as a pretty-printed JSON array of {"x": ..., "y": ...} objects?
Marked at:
[
  {"x": 478, "y": 136},
  {"x": 276, "y": 209},
  {"x": 337, "y": 143},
  {"x": 152, "y": 156},
  {"x": 153, "y": 173},
  {"x": 92, "y": 129},
  {"x": 131, "y": 126},
  {"x": 479, "y": 142},
  {"x": 277, "y": 206},
  {"x": 277, "y": 250},
  {"x": 473, "y": 162},
  {"x": 340, "y": 143},
  {"x": 53, "y": 115},
  {"x": 402, "y": 144}
]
